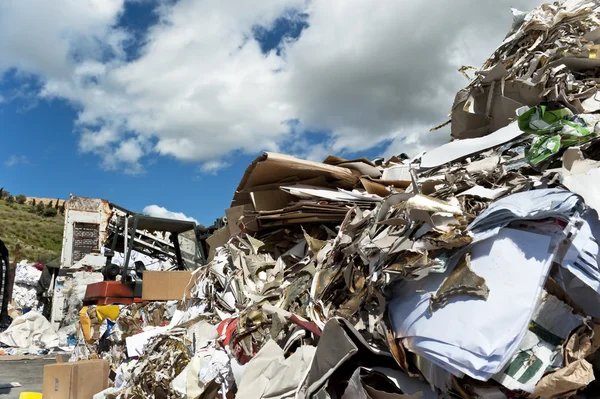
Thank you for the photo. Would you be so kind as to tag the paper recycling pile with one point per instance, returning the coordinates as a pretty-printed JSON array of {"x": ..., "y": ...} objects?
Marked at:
[
  {"x": 468, "y": 272},
  {"x": 26, "y": 280}
]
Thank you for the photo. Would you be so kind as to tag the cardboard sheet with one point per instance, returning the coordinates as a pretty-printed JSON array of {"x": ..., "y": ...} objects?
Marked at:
[
  {"x": 135, "y": 343},
  {"x": 165, "y": 286},
  {"x": 236, "y": 217},
  {"x": 461, "y": 148},
  {"x": 581, "y": 176},
  {"x": 397, "y": 173},
  {"x": 273, "y": 168},
  {"x": 270, "y": 375},
  {"x": 324, "y": 193},
  {"x": 375, "y": 187},
  {"x": 271, "y": 200},
  {"x": 360, "y": 167},
  {"x": 216, "y": 240},
  {"x": 482, "y": 192}
]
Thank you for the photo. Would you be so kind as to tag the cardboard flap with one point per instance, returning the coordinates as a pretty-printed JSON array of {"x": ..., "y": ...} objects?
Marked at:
[
  {"x": 165, "y": 285},
  {"x": 273, "y": 168}
]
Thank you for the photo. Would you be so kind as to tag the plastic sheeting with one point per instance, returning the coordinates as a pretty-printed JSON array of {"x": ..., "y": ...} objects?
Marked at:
[{"x": 30, "y": 331}]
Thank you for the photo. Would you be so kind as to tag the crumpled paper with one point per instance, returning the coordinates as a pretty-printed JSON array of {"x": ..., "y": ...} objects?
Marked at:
[
  {"x": 566, "y": 381},
  {"x": 27, "y": 274},
  {"x": 24, "y": 296}
]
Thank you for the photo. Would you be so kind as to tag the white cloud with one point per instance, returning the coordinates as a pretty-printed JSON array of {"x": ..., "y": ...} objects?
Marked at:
[
  {"x": 15, "y": 160},
  {"x": 43, "y": 37},
  {"x": 161, "y": 212},
  {"x": 201, "y": 88},
  {"x": 212, "y": 167}
]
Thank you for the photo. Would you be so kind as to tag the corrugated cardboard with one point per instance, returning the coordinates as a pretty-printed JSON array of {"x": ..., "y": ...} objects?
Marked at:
[
  {"x": 217, "y": 239},
  {"x": 78, "y": 380},
  {"x": 360, "y": 167},
  {"x": 237, "y": 217},
  {"x": 165, "y": 286},
  {"x": 271, "y": 200},
  {"x": 273, "y": 168}
]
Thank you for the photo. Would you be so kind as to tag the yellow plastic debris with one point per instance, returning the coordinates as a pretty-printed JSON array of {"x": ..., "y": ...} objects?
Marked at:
[
  {"x": 86, "y": 324},
  {"x": 110, "y": 312},
  {"x": 30, "y": 395}
]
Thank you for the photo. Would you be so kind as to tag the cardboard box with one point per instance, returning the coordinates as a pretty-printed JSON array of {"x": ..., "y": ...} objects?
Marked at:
[
  {"x": 78, "y": 380},
  {"x": 165, "y": 286}
]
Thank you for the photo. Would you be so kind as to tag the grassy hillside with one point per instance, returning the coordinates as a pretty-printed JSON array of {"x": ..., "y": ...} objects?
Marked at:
[{"x": 40, "y": 237}]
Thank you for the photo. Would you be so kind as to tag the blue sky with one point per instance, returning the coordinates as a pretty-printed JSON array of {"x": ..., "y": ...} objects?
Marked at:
[
  {"x": 166, "y": 103},
  {"x": 41, "y": 156}
]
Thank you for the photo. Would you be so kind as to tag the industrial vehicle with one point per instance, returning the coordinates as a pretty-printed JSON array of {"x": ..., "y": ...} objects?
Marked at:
[{"x": 181, "y": 243}]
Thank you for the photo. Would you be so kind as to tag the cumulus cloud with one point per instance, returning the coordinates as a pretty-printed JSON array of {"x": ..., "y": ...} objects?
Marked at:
[
  {"x": 15, "y": 160},
  {"x": 201, "y": 88},
  {"x": 48, "y": 37},
  {"x": 161, "y": 212},
  {"x": 212, "y": 167}
]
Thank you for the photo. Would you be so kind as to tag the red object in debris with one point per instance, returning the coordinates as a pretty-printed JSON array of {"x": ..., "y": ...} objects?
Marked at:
[
  {"x": 39, "y": 266},
  {"x": 225, "y": 329},
  {"x": 561, "y": 223},
  {"x": 109, "y": 292},
  {"x": 307, "y": 325}
]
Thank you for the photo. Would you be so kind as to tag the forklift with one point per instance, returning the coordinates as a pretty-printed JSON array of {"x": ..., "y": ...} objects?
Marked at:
[{"x": 183, "y": 243}]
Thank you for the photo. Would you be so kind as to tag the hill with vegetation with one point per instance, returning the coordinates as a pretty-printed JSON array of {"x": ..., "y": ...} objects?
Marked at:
[{"x": 36, "y": 227}]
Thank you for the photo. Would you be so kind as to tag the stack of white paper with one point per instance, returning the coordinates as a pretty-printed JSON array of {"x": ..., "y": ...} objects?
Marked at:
[
  {"x": 531, "y": 205},
  {"x": 582, "y": 256},
  {"x": 473, "y": 336}
]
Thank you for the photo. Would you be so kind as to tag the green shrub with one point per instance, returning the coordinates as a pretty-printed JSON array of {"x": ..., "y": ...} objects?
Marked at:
[
  {"x": 21, "y": 199},
  {"x": 39, "y": 208},
  {"x": 49, "y": 212}
]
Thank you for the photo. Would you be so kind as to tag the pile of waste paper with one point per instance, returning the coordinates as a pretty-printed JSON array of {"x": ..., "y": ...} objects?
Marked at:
[
  {"x": 26, "y": 280},
  {"x": 470, "y": 271}
]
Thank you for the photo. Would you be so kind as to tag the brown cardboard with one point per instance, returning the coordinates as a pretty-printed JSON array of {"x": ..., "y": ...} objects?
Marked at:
[
  {"x": 271, "y": 200},
  {"x": 360, "y": 167},
  {"x": 319, "y": 181},
  {"x": 217, "y": 239},
  {"x": 77, "y": 380},
  {"x": 237, "y": 216},
  {"x": 273, "y": 168},
  {"x": 373, "y": 187},
  {"x": 165, "y": 286},
  {"x": 380, "y": 187}
]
